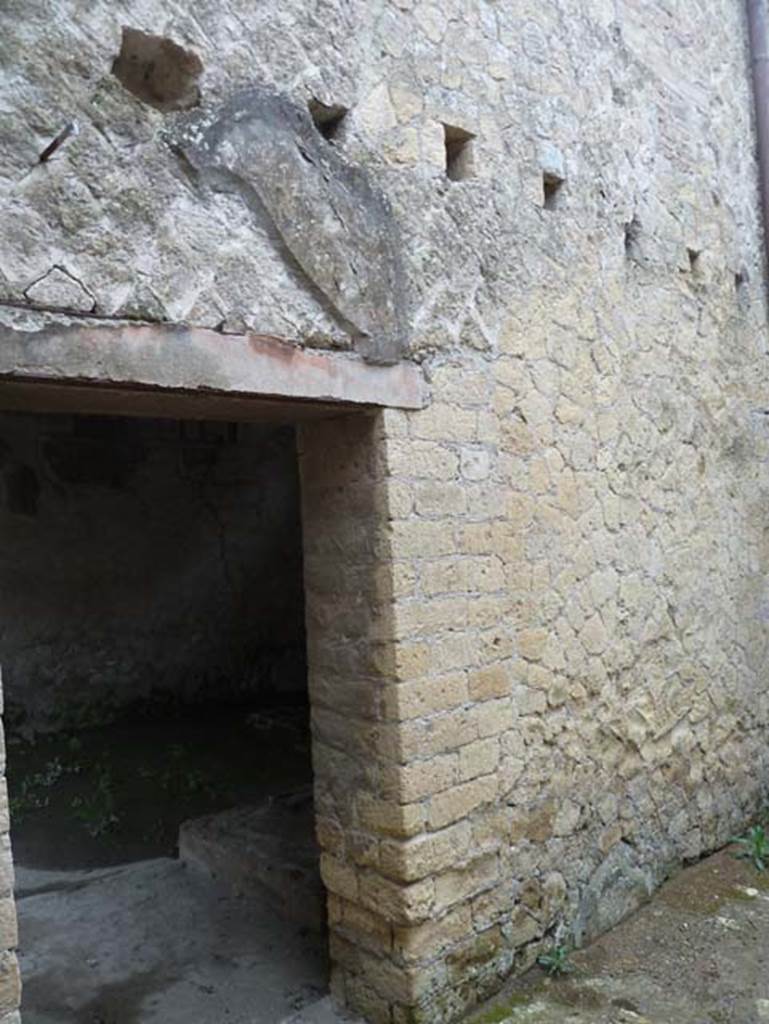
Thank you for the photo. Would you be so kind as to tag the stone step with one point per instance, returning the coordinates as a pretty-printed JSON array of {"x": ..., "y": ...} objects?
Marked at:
[{"x": 269, "y": 847}]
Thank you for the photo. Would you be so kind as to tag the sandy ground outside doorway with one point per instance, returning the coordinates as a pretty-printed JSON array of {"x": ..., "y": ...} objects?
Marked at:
[{"x": 696, "y": 953}]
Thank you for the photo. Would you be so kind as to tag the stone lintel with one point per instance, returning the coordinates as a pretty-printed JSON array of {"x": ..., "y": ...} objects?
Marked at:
[{"x": 180, "y": 370}]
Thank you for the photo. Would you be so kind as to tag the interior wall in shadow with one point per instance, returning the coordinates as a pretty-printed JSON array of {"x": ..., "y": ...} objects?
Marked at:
[{"x": 146, "y": 560}]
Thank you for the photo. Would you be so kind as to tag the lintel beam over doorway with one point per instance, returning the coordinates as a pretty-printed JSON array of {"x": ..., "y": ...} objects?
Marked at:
[{"x": 190, "y": 372}]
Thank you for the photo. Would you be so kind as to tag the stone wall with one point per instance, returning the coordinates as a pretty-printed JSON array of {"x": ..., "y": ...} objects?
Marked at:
[
  {"x": 528, "y": 708},
  {"x": 538, "y": 615},
  {"x": 10, "y": 981},
  {"x": 146, "y": 561},
  {"x": 518, "y": 151}
]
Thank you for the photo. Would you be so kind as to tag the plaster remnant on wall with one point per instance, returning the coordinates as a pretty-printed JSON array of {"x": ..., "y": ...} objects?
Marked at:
[{"x": 333, "y": 221}]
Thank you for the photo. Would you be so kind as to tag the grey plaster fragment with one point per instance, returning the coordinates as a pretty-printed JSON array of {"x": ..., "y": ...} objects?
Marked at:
[{"x": 336, "y": 225}]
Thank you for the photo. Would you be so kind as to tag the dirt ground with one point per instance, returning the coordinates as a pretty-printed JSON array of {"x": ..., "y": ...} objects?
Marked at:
[{"x": 697, "y": 953}]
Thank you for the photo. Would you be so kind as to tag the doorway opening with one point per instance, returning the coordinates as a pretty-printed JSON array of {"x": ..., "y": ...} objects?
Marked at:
[{"x": 157, "y": 716}]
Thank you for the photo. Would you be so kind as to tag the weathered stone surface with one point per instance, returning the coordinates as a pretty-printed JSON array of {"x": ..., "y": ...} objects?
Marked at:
[
  {"x": 618, "y": 886},
  {"x": 59, "y": 290},
  {"x": 10, "y": 982},
  {"x": 566, "y": 551}
]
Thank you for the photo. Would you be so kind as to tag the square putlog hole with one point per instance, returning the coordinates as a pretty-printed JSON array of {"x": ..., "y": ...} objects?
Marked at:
[
  {"x": 327, "y": 119},
  {"x": 552, "y": 190},
  {"x": 460, "y": 153},
  {"x": 158, "y": 71}
]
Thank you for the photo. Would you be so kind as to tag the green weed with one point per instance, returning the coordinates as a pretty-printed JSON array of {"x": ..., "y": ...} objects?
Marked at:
[
  {"x": 33, "y": 792},
  {"x": 556, "y": 962},
  {"x": 96, "y": 810},
  {"x": 754, "y": 846}
]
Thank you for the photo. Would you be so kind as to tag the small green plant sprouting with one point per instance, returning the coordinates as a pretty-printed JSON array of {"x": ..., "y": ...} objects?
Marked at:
[
  {"x": 28, "y": 799},
  {"x": 33, "y": 795},
  {"x": 556, "y": 961},
  {"x": 754, "y": 846},
  {"x": 51, "y": 773},
  {"x": 96, "y": 810},
  {"x": 180, "y": 779}
]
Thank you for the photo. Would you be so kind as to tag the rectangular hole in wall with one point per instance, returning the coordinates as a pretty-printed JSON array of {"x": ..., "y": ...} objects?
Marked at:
[
  {"x": 552, "y": 187},
  {"x": 154, "y": 667},
  {"x": 460, "y": 154},
  {"x": 632, "y": 240}
]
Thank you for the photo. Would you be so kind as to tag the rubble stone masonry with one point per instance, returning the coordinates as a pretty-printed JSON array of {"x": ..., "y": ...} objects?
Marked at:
[{"x": 537, "y": 608}]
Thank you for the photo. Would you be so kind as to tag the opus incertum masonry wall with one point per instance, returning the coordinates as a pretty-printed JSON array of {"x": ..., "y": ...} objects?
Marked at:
[{"x": 537, "y": 607}]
